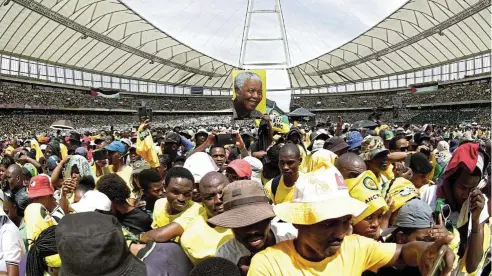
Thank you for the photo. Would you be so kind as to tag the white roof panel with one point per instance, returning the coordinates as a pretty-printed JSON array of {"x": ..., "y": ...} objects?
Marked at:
[
  {"x": 420, "y": 34},
  {"x": 106, "y": 37}
]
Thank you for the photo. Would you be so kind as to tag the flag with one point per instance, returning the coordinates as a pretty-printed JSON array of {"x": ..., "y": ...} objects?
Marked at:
[
  {"x": 424, "y": 89},
  {"x": 105, "y": 94},
  {"x": 280, "y": 121}
]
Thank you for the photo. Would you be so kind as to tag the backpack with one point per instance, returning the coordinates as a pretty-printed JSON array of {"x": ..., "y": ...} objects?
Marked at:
[{"x": 275, "y": 183}]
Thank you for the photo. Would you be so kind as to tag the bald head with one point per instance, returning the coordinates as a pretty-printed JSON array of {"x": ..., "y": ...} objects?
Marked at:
[
  {"x": 290, "y": 149},
  {"x": 211, "y": 187},
  {"x": 350, "y": 165},
  {"x": 15, "y": 177},
  {"x": 212, "y": 180}
]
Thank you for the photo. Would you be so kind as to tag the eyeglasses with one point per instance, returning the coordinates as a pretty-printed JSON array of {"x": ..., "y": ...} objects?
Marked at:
[{"x": 403, "y": 149}]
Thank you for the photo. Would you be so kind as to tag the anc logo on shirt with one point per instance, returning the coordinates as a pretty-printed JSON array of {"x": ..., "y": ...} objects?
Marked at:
[{"x": 370, "y": 184}]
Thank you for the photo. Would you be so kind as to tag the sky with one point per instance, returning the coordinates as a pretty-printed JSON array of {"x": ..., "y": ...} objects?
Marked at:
[{"x": 313, "y": 28}]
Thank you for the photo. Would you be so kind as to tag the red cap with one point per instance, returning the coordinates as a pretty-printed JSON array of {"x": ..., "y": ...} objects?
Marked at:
[
  {"x": 39, "y": 186},
  {"x": 241, "y": 167}
]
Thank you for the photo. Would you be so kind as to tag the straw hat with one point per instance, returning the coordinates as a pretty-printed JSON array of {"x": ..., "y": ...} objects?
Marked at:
[{"x": 318, "y": 196}]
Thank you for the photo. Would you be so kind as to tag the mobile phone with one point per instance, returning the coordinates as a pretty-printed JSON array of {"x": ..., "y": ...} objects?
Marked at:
[
  {"x": 224, "y": 139},
  {"x": 100, "y": 155},
  {"x": 144, "y": 113}
]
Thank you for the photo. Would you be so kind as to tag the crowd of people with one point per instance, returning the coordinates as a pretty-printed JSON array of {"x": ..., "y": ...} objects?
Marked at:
[
  {"x": 17, "y": 95},
  {"x": 195, "y": 199},
  {"x": 23, "y": 125},
  {"x": 447, "y": 94}
]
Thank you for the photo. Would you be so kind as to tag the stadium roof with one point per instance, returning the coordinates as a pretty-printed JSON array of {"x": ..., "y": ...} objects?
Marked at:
[
  {"x": 421, "y": 34},
  {"x": 106, "y": 37}
]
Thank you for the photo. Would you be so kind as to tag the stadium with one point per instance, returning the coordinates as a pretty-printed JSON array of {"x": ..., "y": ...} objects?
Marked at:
[{"x": 106, "y": 46}]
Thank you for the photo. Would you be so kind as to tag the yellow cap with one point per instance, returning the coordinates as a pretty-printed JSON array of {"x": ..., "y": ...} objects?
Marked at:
[
  {"x": 365, "y": 189},
  {"x": 401, "y": 191}
]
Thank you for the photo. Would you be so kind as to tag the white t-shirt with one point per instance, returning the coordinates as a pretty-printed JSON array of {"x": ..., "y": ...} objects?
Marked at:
[
  {"x": 233, "y": 250},
  {"x": 11, "y": 245}
]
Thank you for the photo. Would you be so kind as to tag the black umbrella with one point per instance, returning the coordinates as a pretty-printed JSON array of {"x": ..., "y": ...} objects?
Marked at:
[
  {"x": 301, "y": 112},
  {"x": 364, "y": 124}
]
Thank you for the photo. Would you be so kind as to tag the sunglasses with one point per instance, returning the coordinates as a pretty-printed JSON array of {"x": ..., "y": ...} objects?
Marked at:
[{"x": 403, "y": 149}]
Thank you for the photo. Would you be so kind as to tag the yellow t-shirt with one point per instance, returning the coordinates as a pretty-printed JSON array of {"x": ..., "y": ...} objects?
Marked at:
[
  {"x": 162, "y": 218},
  {"x": 201, "y": 241},
  {"x": 283, "y": 194},
  {"x": 356, "y": 255}
]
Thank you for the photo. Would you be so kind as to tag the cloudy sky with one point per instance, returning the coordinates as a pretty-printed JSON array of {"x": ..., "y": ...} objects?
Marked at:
[{"x": 215, "y": 27}]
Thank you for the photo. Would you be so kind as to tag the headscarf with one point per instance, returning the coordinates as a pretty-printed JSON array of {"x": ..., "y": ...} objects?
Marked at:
[
  {"x": 82, "y": 164},
  {"x": 54, "y": 145},
  {"x": 35, "y": 146},
  {"x": 322, "y": 158},
  {"x": 443, "y": 154}
]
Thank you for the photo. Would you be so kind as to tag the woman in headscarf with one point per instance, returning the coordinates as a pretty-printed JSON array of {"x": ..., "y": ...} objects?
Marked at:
[
  {"x": 74, "y": 168},
  {"x": 442, "y": 159},
  {"x": 321, "y": 159},
  {"x": 459, "y": 188}
]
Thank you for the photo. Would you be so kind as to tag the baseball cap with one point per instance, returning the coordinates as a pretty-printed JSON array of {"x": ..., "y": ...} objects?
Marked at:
[
  {"x": 241, "y": 167},
  {"x": 30, "y": 169},
  {"x": 415, "y": 214},
  {"x": 315, "y": 191},
  {"x": 172, "y": 137},
  {"x": 256, "y": 167},
  {"x": 365, "y": 189},
  {"x": 116, "y": 146},
  {"x": 401, "y": 191},
  {"x": 245, "y": 203},
  {"x": 39, "y": 186},
  {"x": 199, "y": 164},
  {"x": 354, "y": 140},
  {"x": 335, "y": 144},
  {"x": 81, "y": 151},
  {"x": 372, "y": 146},
  {"x": 91, "y": 201},
  {"x": 140, "y": 165},
  {"x": 100, "y": 237}
]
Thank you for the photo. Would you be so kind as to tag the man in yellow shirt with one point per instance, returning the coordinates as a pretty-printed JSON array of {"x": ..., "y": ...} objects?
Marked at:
[
  {"x": 281, "y": 188},
  {"x": 323, "y": 246},
  {"x": 375, "y": 155},
  {"x": 173, "y": 214},
  {"x": 202, "y": 239}
]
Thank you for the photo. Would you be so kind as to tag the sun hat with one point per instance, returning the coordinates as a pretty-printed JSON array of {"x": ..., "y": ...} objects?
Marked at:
[
  {"x": 354, "y": 140},
  {"x": 245, "y": 203},
  {"x": 241, "y": 167},
  {"x": 116, "y": 146},
  {"x": 91, "y": 201},
  {"x": 365, "y": 189},
  {"x": 100, "y": 239},
  {"x": 40, "y": 185},
  {"x": 314, "y": 193},
  {"x": 335, "y": 144},
  {"x": 320, "y": 135},
  {"x": 372, "y": 146},
  {"x": 401, "y": 190},
  {"x": 415, "y": 214}
]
